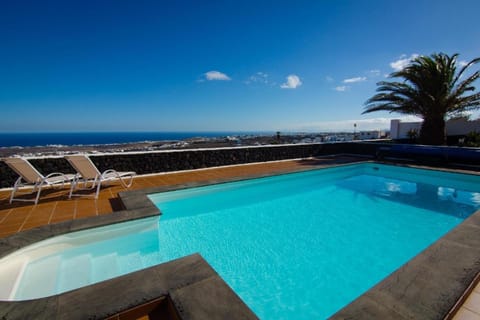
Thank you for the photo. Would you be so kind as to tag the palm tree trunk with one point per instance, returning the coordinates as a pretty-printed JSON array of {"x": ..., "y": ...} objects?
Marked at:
[{"x": 433, "y": 131}]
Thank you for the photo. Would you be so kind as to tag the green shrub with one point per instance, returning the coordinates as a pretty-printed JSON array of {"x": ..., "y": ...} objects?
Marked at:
[{"x": 472, "y": 139}]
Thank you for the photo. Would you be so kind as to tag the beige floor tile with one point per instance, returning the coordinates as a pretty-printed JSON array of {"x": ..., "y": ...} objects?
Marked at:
[
  {"x": 465, "y": 314},
  {"x": 473, "y": 302},
  {"x": 477, "y": 288}
]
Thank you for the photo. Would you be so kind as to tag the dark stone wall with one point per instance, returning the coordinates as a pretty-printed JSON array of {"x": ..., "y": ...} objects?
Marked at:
[{"x": 143, "y": 163}]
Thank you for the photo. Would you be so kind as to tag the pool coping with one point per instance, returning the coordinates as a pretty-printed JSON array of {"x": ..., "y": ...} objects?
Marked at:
[{"x": 426, "y": 287}]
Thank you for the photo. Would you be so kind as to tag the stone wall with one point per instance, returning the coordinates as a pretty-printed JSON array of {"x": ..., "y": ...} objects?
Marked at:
[
  {"x": 177, "y": 160},
  {"x": 165, "y": 161}
]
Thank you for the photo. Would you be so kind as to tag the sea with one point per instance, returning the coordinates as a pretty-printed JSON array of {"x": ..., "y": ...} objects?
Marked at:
[{"x": 34, "y": 139}]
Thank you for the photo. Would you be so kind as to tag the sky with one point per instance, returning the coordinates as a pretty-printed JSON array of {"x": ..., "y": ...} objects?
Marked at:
[{"x": 215, "y": 65}]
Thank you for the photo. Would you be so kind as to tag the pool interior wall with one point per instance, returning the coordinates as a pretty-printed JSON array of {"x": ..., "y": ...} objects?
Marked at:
[{"x": 461, "y": 244}]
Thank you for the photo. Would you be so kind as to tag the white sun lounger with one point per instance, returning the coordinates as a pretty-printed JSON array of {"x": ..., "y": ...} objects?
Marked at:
[
  {"x": 89, "y": 177},
  {"x": 30, "y": 177}
]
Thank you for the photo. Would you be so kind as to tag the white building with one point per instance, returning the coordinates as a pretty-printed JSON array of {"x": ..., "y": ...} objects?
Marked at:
[
  {"x": 454, "y": 127},
  {"x": 369, "y": 135}
]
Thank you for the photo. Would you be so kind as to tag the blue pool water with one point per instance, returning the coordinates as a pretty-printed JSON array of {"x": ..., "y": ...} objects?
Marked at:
[{"x": 295, "y": 246}]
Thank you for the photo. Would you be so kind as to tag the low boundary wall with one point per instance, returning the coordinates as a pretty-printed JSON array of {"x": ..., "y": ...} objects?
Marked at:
[{"x": 177, "y": 160}]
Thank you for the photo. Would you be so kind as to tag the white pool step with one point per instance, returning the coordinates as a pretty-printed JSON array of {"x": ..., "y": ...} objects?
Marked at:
[
  {"x": 130, "y": 262},
  {"x": 47, "y": 281},
  {"x": 11, "y": 274},
  {"x": 75, "y": 272},
  {"x": 42, "y": 283},
  {"x": 105, "y": 267}
]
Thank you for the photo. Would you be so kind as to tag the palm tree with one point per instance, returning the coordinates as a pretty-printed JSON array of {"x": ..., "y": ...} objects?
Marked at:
[{"x": 432, "y": 90}]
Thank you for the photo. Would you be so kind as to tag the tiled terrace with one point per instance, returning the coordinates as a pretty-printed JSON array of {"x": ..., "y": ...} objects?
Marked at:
[{"x": 54, "y": 205}]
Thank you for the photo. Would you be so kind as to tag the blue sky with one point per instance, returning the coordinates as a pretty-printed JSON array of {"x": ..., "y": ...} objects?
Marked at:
[{"x": 214, "y": 65}]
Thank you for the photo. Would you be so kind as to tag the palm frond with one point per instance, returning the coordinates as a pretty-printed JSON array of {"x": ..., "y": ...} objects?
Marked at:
[
  {"x": 466, "y": 85},
  {"x": 430, "y": 89},
  {"x": 465, "y": 67}
]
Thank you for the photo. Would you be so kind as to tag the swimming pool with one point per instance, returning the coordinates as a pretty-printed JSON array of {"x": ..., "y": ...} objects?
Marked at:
[{"x": 293, "y": 245}]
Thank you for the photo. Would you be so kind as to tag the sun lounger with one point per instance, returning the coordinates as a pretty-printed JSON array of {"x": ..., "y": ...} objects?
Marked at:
[
  {"x": 89, "y": 177},
  {"x": 30, "y": 177}
]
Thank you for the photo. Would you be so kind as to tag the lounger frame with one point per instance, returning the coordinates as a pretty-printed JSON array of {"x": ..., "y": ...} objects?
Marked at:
[
  {"x": 88, "y": 176},
  {"x": 30, "y": 177}
]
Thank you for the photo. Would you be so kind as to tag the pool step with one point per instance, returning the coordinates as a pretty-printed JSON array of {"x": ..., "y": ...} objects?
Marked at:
[
  {"x": 105, "y": 267},
  {"x": 40, "y": 283},
  {"x": 151, "y": 259},
  {"x": 75, "y": 272},
  {"x": 130, "y": 262},
  {"x": 47, "y": 283}
]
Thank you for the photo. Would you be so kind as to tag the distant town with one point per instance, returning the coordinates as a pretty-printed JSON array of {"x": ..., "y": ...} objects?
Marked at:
[{"x": 196, "y": 143}]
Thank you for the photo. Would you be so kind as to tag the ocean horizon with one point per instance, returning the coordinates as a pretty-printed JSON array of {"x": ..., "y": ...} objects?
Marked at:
[{"x": 34, "y": 139}]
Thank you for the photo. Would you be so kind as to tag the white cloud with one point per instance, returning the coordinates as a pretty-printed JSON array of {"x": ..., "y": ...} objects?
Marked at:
[
  {"x": 216, "y": 75},
  {"x": 341, "y": 88},
  {"x": 353, "y": 80},
  {"x": 462, "y": 63},
  {"x": 293, "y": 82},
  {"x": 259, "y": 77},
  {"x": 374, "y": 73},
  {"x": 404, "y": 61},
  {"x": 329, "y": 79}
]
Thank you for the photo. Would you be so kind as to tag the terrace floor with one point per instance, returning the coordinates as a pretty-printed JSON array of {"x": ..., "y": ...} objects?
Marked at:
[{"x": 54, "y": 205}]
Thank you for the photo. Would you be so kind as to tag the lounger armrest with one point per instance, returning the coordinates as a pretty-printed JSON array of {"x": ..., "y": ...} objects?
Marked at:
[
  {"x": 55, "y": 174},
  {"x": 106, "y": 172},
  {"x": 58, "y": 177},
  {"x": 118, "y": 173},
  {"x": 122, "y": 176}
]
